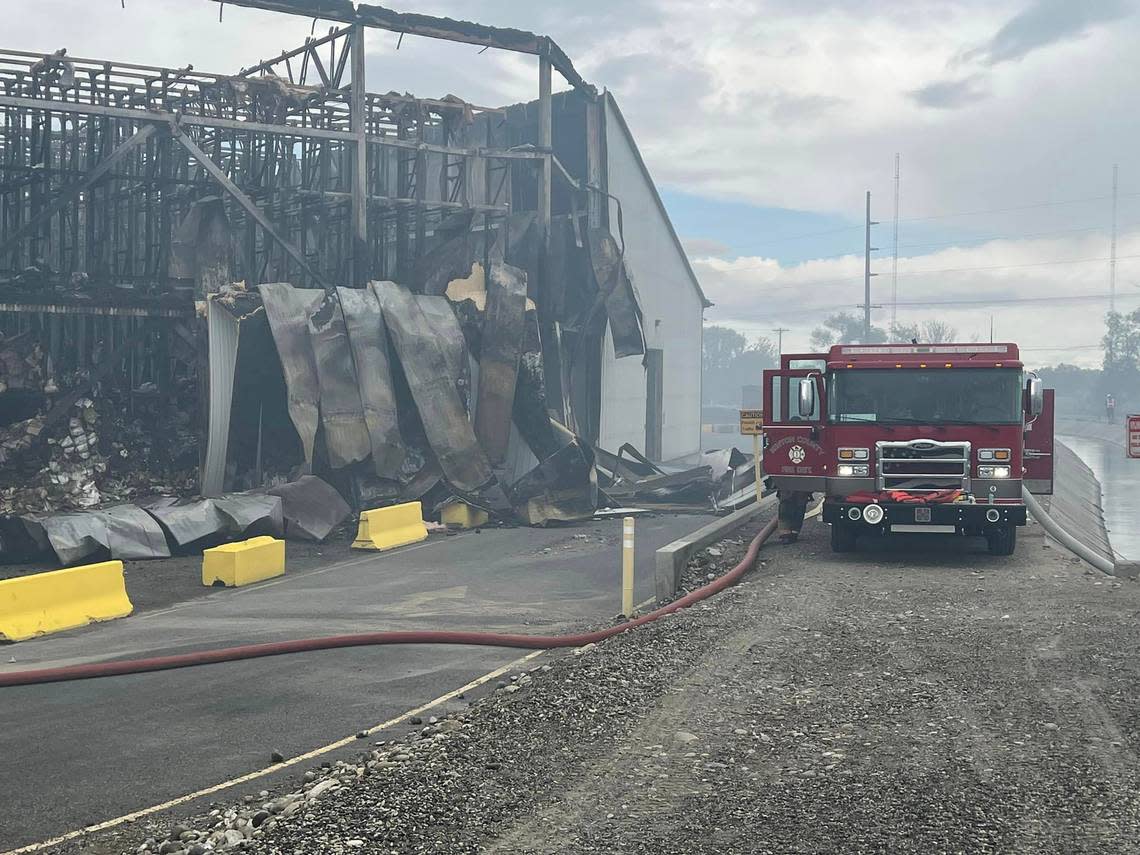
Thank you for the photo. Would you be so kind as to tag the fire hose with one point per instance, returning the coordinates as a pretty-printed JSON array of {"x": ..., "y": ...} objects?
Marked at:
[{"x": 307, "y": 645}]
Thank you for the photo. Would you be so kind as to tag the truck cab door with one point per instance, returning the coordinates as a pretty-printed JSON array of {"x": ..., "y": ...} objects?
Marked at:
[
  {"x": 1038, "y": 456},
  {"x": 793, "y": 453}
]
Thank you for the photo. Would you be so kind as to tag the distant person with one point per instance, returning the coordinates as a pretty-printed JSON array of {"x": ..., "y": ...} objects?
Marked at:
[{"x": 1110, "y": 408}]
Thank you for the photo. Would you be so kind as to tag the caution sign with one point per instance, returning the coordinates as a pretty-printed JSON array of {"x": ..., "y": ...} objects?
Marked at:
[
  {"x": 1133, "y": 438},
  {"x": 751, "y": 422}
]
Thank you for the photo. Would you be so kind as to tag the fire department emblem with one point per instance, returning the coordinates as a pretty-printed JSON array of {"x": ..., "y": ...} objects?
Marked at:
[{"x": 796, "y": 454}]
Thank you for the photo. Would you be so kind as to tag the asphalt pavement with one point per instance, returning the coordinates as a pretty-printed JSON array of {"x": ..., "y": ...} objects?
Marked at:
[{"x": 80, "y": 753}]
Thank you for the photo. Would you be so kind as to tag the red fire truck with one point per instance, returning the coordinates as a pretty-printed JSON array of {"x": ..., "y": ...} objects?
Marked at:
[{"x": 935, "y": 438}]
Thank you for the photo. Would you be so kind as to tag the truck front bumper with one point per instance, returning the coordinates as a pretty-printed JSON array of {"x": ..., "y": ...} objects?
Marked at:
[{"x": 945, "y": 518}]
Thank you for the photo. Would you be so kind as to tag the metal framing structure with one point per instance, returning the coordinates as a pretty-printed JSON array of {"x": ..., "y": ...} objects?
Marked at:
[{"x": 325, "y": 182}]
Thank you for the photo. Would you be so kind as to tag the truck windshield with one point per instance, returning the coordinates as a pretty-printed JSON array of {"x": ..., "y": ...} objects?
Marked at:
[{"x": 915, "y": 396}]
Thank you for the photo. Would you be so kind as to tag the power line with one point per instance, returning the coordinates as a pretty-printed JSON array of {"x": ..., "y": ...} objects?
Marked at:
[
  {"x": 1020, "y": 236},
  {"x": 1014, "y": 208},
  {"x": 1000, "y": 301}
]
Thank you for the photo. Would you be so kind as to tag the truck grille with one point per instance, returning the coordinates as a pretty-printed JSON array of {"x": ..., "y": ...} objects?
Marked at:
[{"x": 923, "y": 465}]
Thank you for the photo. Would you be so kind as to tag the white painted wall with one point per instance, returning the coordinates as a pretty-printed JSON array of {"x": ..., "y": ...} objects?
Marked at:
[{"x": 672, "y": 315}]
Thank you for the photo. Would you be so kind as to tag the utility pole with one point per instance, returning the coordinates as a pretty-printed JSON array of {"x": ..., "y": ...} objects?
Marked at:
[
  {"x": 867, "y": 274},
  {"x": 779, "y": 331},
  {"x": 895, "y": 253},
  {"x": 1112, "y": 249},
  {"x": 991, "y": 329}
]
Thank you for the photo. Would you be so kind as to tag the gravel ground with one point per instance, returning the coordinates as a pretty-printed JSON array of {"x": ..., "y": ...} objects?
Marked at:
[{"x": 895, "y": 700}]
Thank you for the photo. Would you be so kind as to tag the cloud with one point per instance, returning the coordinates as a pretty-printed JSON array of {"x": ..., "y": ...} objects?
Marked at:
[
  {"x": 950, "y": 94},
  {"x": 696, "y": 246},
  {"x": 1016, "y": 282},
  {"x": 1045, "y": 22}
]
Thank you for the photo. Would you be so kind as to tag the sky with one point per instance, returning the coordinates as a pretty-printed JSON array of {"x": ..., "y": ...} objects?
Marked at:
[{"x": 764, "y": 124}]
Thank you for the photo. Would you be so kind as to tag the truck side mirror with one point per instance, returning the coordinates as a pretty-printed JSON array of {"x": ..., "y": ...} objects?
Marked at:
[
  {"x": 807, "y": 397},
  {"x": 1036, "y": 390}
]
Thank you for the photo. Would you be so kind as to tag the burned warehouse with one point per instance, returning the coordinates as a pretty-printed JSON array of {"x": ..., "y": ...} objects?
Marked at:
[{"x": 255, "y": 301}]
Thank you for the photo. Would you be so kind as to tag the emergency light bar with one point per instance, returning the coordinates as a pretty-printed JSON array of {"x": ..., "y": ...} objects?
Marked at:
[{"x": 924, "y": 348}]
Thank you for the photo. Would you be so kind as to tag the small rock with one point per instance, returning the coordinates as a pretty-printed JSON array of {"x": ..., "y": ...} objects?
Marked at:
[
  {"x": 355, "y": 843},
  {"x": 259, "y": 817},
  {"x": 232, "y": 837},
  {"x": 310, "y": 777},
  {"x": 684, "y": 737},
  {"x": 362, "y": 734},
  {"x": 511, "y": 689},
  {"x": 168, "y": 847},
  {"x": 415, "y": 720},
  {"x": 197, "y": 849},
  {"x": 320, "y": 789},
  {"x": 276, "y": 757}
]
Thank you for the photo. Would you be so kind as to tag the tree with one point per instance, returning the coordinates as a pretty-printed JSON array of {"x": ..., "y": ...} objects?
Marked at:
[
  {"x": 1121, "y": 377},
  {"x": 844, "y": 328},
  {"x": 730, "y": 362},
  {"x": 720, "y": 347},
  {"x": 925, "y": 332}
]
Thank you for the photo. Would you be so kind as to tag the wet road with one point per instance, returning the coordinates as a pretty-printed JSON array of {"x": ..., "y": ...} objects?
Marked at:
[{"x": 1120, "y": 482}]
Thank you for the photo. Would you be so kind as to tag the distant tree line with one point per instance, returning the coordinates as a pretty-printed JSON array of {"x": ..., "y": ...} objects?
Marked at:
[{"x": 731, "y": 361}]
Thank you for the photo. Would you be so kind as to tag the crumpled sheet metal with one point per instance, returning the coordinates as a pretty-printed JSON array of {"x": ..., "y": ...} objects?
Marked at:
[
  {"x": 224, "y": 334},
  {"x": 630, "y": 475},
  {"x": 187, "y": 520},
  {"x": 502, "y": 343},
  {"x": 436, "y": 397},
  {"x": 620, "y": 298},
  {"x": 251, "y": 514},
  {"x": 563, "y": 487},
  {"x": 369, "y": 342},
  {"x": 311, "y": 508},
  {"x": 127, "y": 532},
  {"x": 229, "y": 516},
  {"x": 441, "y": 317},
  {"x": 287, "y": 309},
  {"x": 342, "y": 414}
]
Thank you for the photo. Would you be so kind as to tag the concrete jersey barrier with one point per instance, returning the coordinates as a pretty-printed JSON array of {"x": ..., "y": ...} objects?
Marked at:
[{"x": 58, "y": 600}]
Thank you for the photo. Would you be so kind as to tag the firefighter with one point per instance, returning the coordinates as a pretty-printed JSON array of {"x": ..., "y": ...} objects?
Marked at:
[{"x": 793, "y": 506}]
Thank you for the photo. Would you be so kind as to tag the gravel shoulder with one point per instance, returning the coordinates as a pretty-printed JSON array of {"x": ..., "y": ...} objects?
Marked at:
[{"x": 901, "y": 699}]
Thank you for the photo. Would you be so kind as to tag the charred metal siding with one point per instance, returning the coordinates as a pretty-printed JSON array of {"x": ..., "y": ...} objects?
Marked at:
[{"x": 670, "y": 299}]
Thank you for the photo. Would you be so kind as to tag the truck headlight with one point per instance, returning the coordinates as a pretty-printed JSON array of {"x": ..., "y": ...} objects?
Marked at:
[
  {"x": 852, "y": 470},
  {"x": 993, "y": 471},
  {"x": 854, "y": 454},
  {"x": 873, "y": 514}
]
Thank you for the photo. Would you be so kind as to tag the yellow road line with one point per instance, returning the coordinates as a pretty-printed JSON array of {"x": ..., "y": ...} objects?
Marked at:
[{"x": 277, "y": 767}]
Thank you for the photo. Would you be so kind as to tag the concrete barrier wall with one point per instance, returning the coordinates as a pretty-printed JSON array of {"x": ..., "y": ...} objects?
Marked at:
[
  {"x": 1076, "y": 503},
  {"x": 42, "y": 603}
]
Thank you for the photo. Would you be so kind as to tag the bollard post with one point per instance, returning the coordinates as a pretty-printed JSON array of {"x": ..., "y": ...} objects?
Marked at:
[
  {"x": 627, "y": 567},
  {"x": 757, "y": 462}
]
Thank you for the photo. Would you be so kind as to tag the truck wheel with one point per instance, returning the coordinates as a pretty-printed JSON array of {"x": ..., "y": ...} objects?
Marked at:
[
  {"x": 842, "y": 537},
  {"x": 1002, "y": 541}
]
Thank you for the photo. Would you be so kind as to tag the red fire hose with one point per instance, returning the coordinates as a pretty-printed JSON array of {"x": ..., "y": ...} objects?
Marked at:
[{"x": 305, "y": 645}]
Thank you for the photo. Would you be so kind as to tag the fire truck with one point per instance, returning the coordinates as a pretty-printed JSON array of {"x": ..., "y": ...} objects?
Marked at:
[{"x": 914, "y": 438}]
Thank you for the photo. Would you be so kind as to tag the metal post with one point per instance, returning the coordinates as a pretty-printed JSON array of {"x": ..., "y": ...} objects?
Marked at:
[
  {"x": 758, "y": 463},
  {"x": 867, "y": 277},
  {"x": 895, "y": 252},
  {"x": 545, "y": 142},
  {"x": 359, "y": 108},
  {"x": 627, "y": 567},
  {"x": 1112, "y": 249}
]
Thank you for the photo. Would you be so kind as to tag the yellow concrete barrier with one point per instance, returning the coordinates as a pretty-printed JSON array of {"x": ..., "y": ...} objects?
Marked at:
[
  {"x": 387, "y": 528},
  {"x": 463, "y": 515},
  {"x": 244, "y": 562},
  {"x": 62, "y": 599}
]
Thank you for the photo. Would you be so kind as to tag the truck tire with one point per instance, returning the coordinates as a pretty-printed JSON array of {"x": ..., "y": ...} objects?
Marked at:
[
  {"x": 842, "y": 537},
  {"x": 1002, "y": 541}
]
